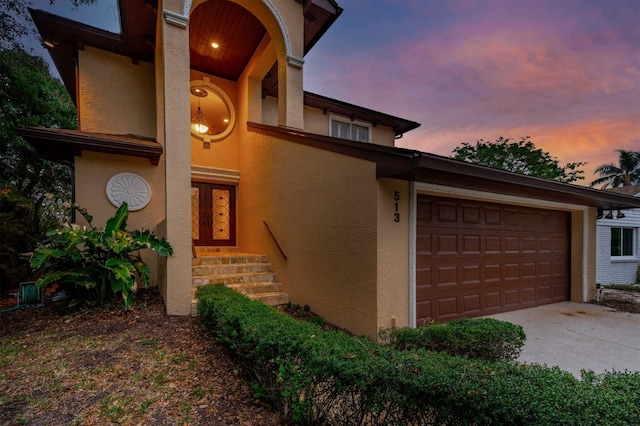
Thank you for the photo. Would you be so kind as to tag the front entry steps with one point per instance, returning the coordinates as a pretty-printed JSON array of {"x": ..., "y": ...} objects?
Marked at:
[{"x": 248, "y": 274}]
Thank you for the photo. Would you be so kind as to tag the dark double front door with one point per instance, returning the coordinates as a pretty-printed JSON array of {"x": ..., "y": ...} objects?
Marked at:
[{"x": 213, "y": 214}]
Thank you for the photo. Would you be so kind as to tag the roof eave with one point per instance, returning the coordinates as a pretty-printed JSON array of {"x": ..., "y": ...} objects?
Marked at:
[{"x": 60, "y": 144}]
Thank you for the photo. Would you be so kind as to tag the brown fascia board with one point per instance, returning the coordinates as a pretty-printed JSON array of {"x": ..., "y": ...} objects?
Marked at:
[
  {"x": 329, "y": 5},
  {"x": 444, "y": 170},
  {"x": 412, "y": 165},
  {"x": 632, "y": 190},
  {"x": 334, "y": 106},
  {"x": 74, "y": 142}
]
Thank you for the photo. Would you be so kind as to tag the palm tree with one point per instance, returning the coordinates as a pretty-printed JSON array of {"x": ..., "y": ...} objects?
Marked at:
[{"x": 625, "y": 174}]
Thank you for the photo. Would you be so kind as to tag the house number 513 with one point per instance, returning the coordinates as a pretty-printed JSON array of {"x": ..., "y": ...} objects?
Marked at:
[{"x": 396, "y": 198}]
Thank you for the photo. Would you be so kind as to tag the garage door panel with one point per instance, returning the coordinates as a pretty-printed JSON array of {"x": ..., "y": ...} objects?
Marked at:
[
  {"x": 529, "y": 270},
  {"x": 511, "y": 244},
  {"x": 492, "y": 272},
  {"x": 447, "y": 212},
  {"x": 423, "y": 277},
  {"x": 511, "y": 297},
  {"x": 512, "y": 271},
  {"x": 560, "y": 292},
  {"x": 544, "y": 292},
  {"x": 485, "y": 257},
  {"x": 447, "y": 308},
  {"x": 492, "y": 216},
  {"x": 544, "y": 269},
  {"x": 529, "y": 295},
  {"x": 424, "y": 311},
  {"x": 471, "y": 304},
  {"x": 529, "y": 245},
  {"x": 423, "y": 241},
  {"x": 446, "y": 275},
  {"x": 471, "y": 244},
  {"x": 493, "y": 244},
  {"x": 447, "y": 244},
  {"x": 492, "y": 300},
  {"x": 471, "y": 274},
  {"x": 471, "y": 214}
]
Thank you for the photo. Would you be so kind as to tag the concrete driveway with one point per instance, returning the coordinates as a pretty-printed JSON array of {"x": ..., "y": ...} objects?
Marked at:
[{"x": 576, "y": 336}]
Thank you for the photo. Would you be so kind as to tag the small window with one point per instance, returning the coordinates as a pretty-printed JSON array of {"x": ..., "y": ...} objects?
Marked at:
[
  {"x": 360, "y": 132},
  {"x": 622, "y": 242},
  {"x": 340, "y": 129}
]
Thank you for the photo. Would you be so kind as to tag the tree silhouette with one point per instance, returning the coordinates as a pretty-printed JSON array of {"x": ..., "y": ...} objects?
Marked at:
[{"x": 626, "y": 173}]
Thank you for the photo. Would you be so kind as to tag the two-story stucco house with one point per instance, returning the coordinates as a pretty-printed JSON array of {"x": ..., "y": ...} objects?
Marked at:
[{"x": 196, "y": 115}]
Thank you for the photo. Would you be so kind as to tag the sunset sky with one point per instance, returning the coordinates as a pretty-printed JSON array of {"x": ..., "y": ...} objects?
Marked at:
[{"x": 565, "y": 72}]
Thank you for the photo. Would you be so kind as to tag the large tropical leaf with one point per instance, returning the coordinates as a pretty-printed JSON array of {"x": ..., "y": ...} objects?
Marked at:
[
  {"x": 42, "y": 255},
  {"x": 118, "y": 221}
]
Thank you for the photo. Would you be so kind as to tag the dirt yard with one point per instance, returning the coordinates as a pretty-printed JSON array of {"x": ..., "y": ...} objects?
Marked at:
[{"x": 119, "y": 367}]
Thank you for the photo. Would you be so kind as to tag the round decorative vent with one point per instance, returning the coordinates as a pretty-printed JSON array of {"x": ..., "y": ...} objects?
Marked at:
[{"x": 129, "y": 188}]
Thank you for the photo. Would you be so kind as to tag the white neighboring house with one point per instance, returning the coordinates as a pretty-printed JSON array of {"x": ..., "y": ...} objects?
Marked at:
[{"x": 618, "y": 235}]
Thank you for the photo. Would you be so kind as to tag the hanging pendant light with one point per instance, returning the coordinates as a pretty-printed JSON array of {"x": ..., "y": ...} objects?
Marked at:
[{"x": 198, "y": 121}]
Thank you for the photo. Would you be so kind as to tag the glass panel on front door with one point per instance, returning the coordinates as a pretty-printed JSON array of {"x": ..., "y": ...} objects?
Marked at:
[{"x": 213, "y": 214}]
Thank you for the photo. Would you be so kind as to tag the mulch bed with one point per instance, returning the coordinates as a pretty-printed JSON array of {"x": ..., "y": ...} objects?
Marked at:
[
  {"x": 623, "y": 301},
  {"x": 115, "y": 366}
]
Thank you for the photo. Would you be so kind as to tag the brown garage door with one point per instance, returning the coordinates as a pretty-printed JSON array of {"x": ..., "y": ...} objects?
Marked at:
[{"x": 475, "y": 258}]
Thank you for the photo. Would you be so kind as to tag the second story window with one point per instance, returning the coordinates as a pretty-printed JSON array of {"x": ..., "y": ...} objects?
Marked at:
[{"x": 344, "y": 129}]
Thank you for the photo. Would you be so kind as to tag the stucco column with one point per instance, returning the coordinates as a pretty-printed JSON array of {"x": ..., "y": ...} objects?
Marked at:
[
  {"x": 177, "y": 151},
  {"x": 290, "y": 95}
]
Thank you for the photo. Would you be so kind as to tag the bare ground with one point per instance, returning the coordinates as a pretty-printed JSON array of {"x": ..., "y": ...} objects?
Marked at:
[
  {"x": 112, "y": 366},
  {"x": 621, "y": 300}
]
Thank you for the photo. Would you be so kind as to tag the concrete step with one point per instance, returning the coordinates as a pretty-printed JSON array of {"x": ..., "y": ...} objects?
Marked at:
[
  {"x": 226, "y": 259},
  {"x": 257, "y": 288},
  {"x": 247, "y": 273},
  {"x": 205, "y": 251},
  {"x": 250, "y": 288},
  {"x": 271, "y": 299},
  {"x": 229, "y": 269},
  {"x": 228, "y": 279}
]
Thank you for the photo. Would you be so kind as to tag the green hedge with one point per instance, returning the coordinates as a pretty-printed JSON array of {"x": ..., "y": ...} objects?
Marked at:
[
  {"x": 481, "y": 338},
  {"x": 326, "y": 377}
]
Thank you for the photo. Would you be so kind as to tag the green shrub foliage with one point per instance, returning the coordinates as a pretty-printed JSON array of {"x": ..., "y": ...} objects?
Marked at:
[
  {"x": 93, "y": 264},
  {"x": 327, "y": 377},
  {"x": 481, "y": 338}
]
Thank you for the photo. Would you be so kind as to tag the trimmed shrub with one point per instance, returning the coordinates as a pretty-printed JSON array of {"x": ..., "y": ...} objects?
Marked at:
[
  {"x": 327, "y": 377},
  {"x": 481, "y": 338}
]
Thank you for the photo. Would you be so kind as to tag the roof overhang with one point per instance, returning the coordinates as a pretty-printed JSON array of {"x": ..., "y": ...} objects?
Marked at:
[
  {"x": 137, "y": 39},
  {"x": 63, "y": 144},
  {"x": 412, "y": 165}
]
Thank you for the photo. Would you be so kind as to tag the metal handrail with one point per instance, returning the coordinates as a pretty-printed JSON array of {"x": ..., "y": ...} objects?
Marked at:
[{"x": 275, "y": 240}]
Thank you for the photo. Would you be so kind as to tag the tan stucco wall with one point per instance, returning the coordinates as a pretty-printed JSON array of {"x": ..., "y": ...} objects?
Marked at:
[
  {"x": 93, "y": 171},
  {"x": 583, "y": 255},
  {"x": 114, "y": 95},
  {"x": 270, "y": 111},
  {"x": 393, "y": 253},
  {"x": 322, "y": 207}
]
